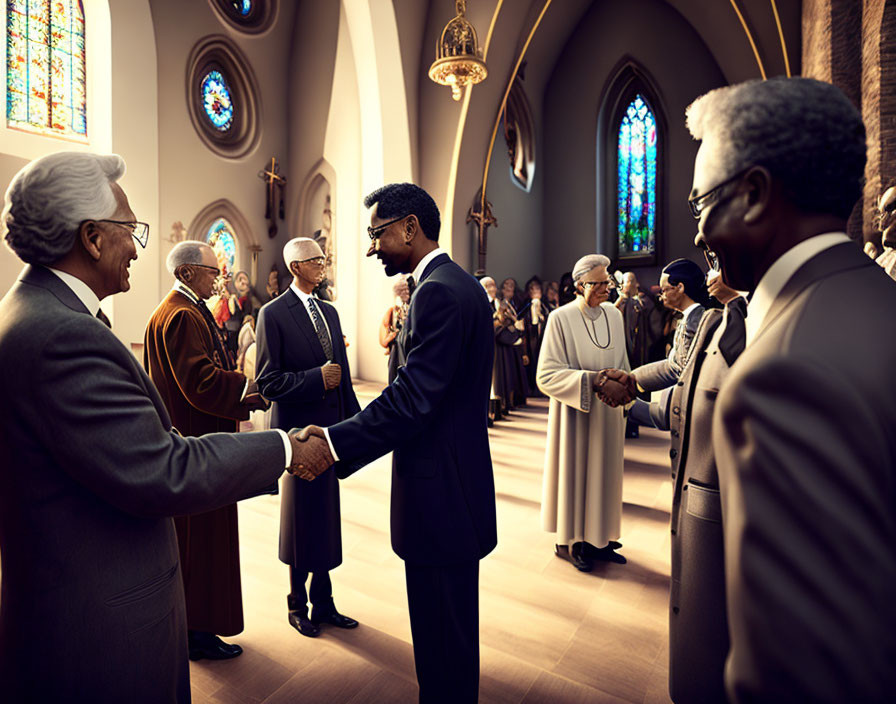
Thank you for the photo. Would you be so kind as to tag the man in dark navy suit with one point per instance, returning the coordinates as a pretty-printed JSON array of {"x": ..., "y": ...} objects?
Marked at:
[
  {"x": 303, "y": 369},
  {"x": 434, "y": 418}
]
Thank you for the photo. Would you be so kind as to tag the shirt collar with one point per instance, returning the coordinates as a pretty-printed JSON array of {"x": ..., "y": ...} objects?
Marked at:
[
  {"x": 181, "y": 287},
  {"x": 423, "y": 263},
  {"x": 84, "y": 293},
  {"x": 687, "y": 311},
  {"x": 303, "y": 297},
  {"x": 779, "y": 273}
]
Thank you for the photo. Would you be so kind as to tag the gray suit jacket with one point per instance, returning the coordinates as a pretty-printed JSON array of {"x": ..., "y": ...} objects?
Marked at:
[
  {"x": 698, "y": 628},
  {"x": 805, "y": 438},
  {"x": 92, "y": 604}
]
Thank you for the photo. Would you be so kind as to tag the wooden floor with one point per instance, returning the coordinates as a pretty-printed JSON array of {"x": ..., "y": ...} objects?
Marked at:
[{"x": 547, "y": 632}]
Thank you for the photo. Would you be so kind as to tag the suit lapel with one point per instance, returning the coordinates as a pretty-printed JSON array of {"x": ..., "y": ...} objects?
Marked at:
[
  {"x": 836, "y": 259},
  {"x": 303, "y": 322}
]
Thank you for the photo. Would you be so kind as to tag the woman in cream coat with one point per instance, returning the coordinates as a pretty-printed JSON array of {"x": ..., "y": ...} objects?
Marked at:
[{"x": 582, "y": 490}]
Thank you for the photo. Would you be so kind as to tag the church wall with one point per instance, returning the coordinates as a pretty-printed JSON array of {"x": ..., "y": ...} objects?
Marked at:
[
  {"x": 191, "y": 175},
  {"x": 10, "y": 264},
  {"x": 682, "y": 68}
]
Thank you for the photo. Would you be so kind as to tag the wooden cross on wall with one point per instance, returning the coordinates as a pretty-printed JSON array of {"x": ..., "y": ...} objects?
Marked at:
[{"x": 274, "y": 183}]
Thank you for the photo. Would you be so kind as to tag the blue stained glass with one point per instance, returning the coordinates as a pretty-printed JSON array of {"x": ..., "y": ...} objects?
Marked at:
[
  {"x": 217, "y": 101},
  {"x": 636, "y": 179},
  {"x": 220, "y": 238},
  {"x": 244, "y": 7}
]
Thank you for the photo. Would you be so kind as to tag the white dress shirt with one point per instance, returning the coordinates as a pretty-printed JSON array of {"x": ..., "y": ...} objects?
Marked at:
[
  {"x": 779, "y": 273},
  {"x": 84, "y": 293},
  {"x": 305, "y": 298}
]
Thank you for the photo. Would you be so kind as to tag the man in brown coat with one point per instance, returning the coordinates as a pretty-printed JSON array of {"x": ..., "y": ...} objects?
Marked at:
[{"x": 187, "y": 359}]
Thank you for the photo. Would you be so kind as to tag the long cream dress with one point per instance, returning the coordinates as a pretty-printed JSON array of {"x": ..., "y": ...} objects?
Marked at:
[{"x": 582, "y": 490}]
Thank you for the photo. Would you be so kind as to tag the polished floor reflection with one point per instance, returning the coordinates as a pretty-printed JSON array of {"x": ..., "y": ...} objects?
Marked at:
[{"x": 548, "y": 633}]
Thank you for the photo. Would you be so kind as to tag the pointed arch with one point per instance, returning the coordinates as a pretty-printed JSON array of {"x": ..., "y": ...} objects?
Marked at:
[
  {"x": 316, "y": 216},
  {"x": 631, "y": 146},
  {"x": 225, "y": 218}
]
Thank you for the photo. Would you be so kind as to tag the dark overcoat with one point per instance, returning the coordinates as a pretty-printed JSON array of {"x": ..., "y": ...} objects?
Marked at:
[
  {"x": 434, "y": 417},
  {"x": 289, "y": 357},
  {"x": 202, "y": 396}
]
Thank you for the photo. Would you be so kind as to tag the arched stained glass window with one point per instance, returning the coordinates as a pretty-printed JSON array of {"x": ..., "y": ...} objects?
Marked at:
[
  {"x": 636, "y": 179},
  {"x": 222, "y": 239},
  {"x": 244, "y": 7},
  {"x": 46, "y": 67},
  {"x": 217, "y": 101}
]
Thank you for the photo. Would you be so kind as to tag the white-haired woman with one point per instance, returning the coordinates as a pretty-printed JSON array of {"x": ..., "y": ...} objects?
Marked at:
[{"x": 582, "y": 490}]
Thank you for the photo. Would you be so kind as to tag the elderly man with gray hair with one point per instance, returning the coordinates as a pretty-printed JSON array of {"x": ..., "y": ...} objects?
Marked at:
[
  {"x": 582, "y": 487},
  {"x": 303, "y": 368},
  {"x": 92, "y": 470},
  {"x": 803, "y": 424},
  {"x": 187, "y": 358}
]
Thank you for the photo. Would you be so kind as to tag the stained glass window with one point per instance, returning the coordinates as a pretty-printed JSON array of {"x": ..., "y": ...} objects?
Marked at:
[
  {"x": 46, "y": 67},
  {"x": 636, "y": 185},
  {"x": 217, "y": 101},
  {"x": 244, "y": 7},
  {"x": 221, "y": 238}
]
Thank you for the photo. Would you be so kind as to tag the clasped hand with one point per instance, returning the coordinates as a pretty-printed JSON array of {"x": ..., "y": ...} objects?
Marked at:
[
  {"x": 310, "y": 452},
  {"x": 615, "y": 387}
]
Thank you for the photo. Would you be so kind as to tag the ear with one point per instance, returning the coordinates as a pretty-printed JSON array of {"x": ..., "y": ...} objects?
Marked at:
[
  {"x": 758, "y": 182},
  {"x": 411, "y": 228},
  {"x": 294, "y": 268},
  {"x": 91, "y": 237}
]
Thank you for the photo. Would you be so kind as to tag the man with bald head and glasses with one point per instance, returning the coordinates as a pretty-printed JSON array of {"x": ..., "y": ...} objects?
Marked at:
[
  {"x": 186, "y": 355},
  {"x": 303, "y": 368}
]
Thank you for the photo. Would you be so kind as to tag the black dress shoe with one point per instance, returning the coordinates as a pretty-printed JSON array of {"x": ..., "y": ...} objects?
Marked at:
[
  {"x": 299, "y": 621},
  {"x": 596, "y": 552},
  {"x": 607, "y": 554},
  {"x": 208, "y": 646},
  {"x": 575, "y": 556},
  {"x": 333, "y": 617}
]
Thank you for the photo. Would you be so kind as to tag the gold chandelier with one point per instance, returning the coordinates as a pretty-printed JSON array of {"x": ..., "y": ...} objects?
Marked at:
[{"x": 458, "y": 61}]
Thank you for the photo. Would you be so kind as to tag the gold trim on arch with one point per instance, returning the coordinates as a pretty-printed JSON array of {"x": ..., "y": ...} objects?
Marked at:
[
  {"x": 781, "y": 37},
  {"x": 516, "y": 68},
  {"x": 743, "y": 23}
]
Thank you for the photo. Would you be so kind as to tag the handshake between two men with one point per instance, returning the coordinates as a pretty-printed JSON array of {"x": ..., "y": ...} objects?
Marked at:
[
  {"x": 311, "y": 454},
  {"x": 615, "y": 387}
]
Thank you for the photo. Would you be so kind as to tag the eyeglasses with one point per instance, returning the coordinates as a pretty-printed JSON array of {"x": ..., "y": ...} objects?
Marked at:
[
  {"x": 698, "y": 204},
  {"x": 316, "y": 261},
  {"x": 375, "y": 232},
  {"x": 213, "y": 268},
  {"x": 601, "y": 285},
  {"x": 139, "y": 230}
]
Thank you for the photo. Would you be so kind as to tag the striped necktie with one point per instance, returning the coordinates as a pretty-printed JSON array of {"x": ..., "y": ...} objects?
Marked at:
[{"x": 320, "y": 328}]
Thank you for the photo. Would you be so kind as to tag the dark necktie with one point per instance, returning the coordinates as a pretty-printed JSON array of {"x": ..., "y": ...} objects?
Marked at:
[
  {"x": 223, "y": 357},
  {"x": 734, "y": 336},
  {"x": 320, "y": 329},
  {"x": 103, "y": 318},
  {"x": 411, "y": 285}
]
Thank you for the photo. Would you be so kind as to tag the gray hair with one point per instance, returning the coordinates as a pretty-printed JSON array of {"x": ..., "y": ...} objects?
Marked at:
[
  {"x": 805, "y": 132},
  {"x": 186, "y": 252},
  {"x": 587, "y": 263},
  {"x": 49, "y": 198}
]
